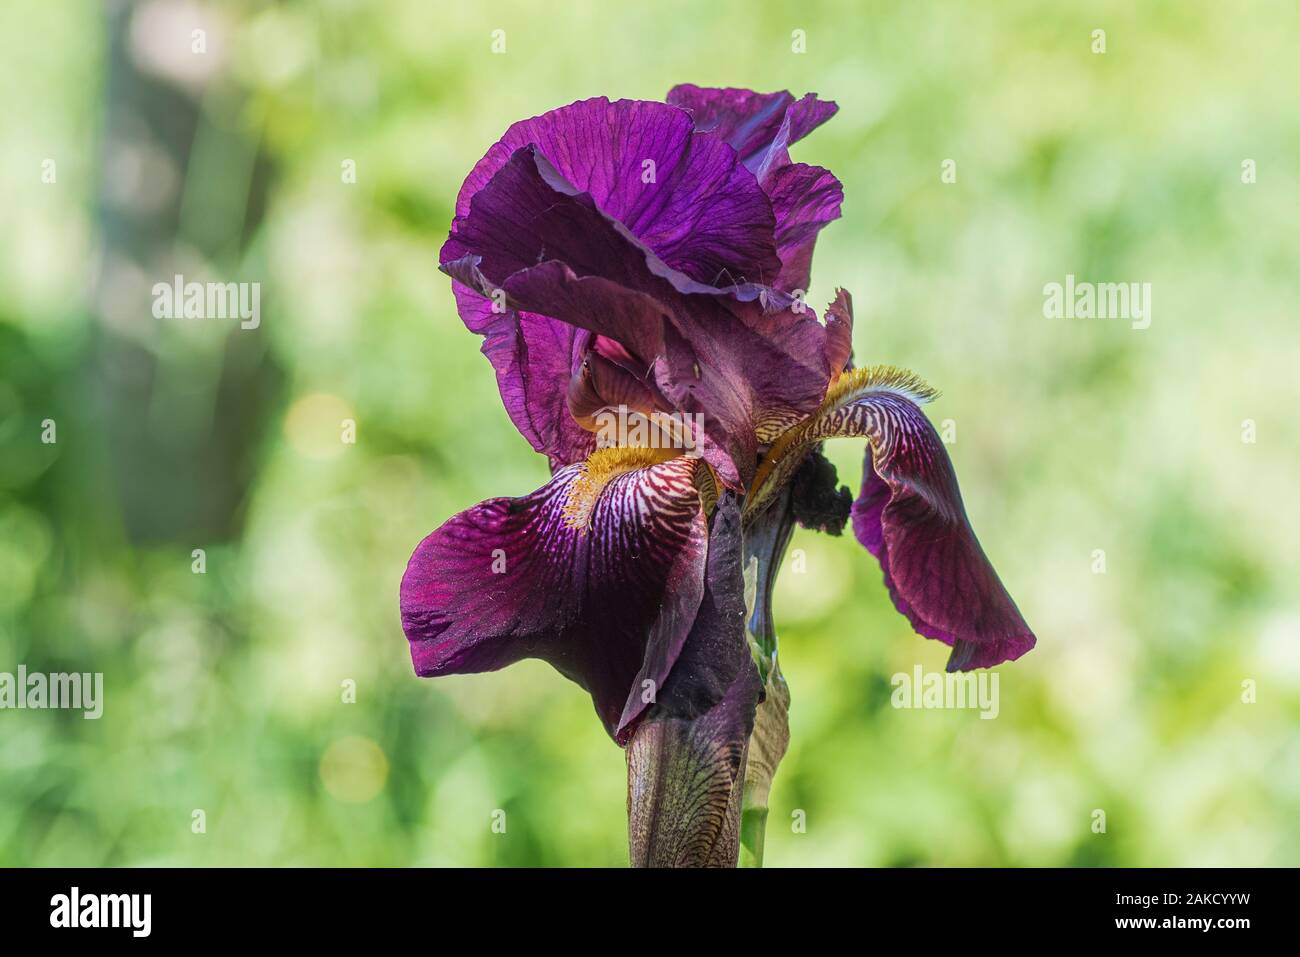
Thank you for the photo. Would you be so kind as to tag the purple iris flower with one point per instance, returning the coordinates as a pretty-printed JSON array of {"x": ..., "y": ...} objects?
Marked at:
[{"x": 651, "y": 259}]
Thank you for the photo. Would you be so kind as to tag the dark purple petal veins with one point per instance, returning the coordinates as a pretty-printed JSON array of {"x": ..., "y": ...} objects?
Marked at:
[
  {"x": 749, "y": 359},
  {"x": 761, "y": 127},
  {"x": 532, "y": 238},
  {"x": 581, "y": 213},
  {"x": 804, "y": 199},
  {"x": 752, "y": 122},
  {"x": 687, "y": 197},
  {"x": 600, "y": 572},
  {"x": 910, "y": 516}
]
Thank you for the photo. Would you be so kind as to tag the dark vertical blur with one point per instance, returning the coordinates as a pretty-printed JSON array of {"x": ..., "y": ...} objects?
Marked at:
[{"x": 180, "y": 447}]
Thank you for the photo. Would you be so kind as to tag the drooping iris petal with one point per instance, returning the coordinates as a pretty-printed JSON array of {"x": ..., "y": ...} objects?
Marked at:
[
  {"x": 911, "y": 517},
  {"x": 761, "y": 127},
  {"x": 600, "y": 573},
  {"x": 686, "y": 759},
  {"x": 749, "y": 359}
]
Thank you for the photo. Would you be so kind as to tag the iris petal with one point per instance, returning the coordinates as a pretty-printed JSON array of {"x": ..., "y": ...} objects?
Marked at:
[
  {"x": 532, "y": 355},
  {"x": 751, "y": 360},
  {"x": 910, "y": 516},
  {"x": 609, "y": 604},
  {"x": 579, "y": 214},
  {"x": 761, "y": 127},
  {"x": 804, "y": 200},
  {"x": 687, "y": 197},
  {"x": 751, "y": 122}
]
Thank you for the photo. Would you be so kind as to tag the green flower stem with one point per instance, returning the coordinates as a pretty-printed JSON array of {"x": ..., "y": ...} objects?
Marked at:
[
  {"x": 767, "y": 745},
  {"x": 753, "y": 826}
]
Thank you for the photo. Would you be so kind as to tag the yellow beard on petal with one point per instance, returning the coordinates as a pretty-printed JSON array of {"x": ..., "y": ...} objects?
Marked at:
[
  {"x": 879, "y": 378},
  {"x": 602, "y": 467},
  {"x": 844, "y": 389}
]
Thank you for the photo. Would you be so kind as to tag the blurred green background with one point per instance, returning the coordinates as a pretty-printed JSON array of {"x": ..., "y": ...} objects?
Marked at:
[{"x": 225, "y": 690}]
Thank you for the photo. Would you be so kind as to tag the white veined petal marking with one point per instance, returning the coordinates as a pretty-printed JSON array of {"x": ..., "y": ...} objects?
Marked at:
[{"x": 656, "y": 495}]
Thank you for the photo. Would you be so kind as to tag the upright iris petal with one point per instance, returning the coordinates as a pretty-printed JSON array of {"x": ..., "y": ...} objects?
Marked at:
[
  {"x": 687, "y": 197},
  {"x": 760, "y": 127},
  {"x": 533, "y": 356},
  {"x": 625, "y": 220}
]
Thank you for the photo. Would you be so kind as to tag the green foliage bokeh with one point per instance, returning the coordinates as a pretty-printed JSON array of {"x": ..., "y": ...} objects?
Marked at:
[{"x": 225, "y": 690}]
